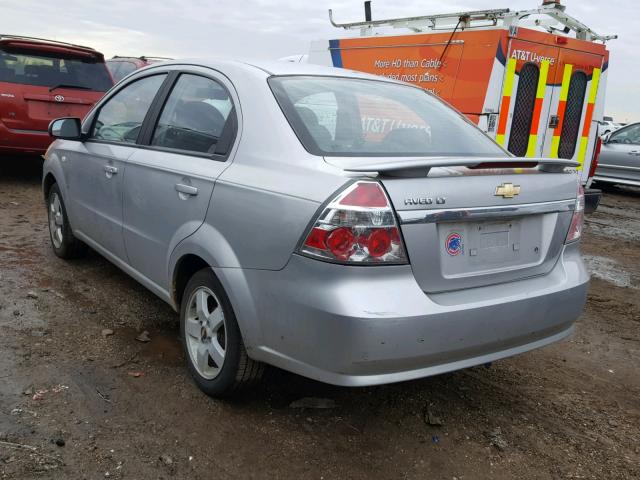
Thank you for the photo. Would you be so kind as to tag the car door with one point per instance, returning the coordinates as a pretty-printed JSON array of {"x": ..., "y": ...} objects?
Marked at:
[
  {"x": 620, "y": 156},
  {"x": 169, "y": 183},
  {"x": 95, "y": 169}
]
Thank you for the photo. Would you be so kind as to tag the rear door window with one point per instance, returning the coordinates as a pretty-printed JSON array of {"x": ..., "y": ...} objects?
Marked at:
[
  {"x": 51, "y": 70},
  {"x": 194, "y": 115},
  {"x": 120, "y": 118}
]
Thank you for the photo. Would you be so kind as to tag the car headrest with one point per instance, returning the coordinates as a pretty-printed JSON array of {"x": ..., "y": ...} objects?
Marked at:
[{"x": 200, "y": 116}]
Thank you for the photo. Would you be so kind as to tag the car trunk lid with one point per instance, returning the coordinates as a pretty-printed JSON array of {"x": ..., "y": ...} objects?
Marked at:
[
  {"x": 470, "y": 222},
  {"x": 33, "y": 110}
]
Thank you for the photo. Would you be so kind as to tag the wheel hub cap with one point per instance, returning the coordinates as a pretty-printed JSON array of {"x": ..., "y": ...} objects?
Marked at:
[
  {"x": 205, "y": 333},
  {"x": 56, "y": 220}
]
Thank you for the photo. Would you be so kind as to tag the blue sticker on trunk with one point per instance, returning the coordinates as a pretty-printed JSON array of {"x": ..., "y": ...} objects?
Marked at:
[{"x": 453, "y": 244}]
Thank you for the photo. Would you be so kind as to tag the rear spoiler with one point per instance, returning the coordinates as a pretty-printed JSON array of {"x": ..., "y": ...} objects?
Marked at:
[
  {"x": 412, "y": 165},
  {"x": 60, "y": 48}
]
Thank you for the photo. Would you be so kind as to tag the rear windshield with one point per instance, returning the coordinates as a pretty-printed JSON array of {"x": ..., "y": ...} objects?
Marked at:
[
  {"x": 337, "y": 116},
  {"x": 120, "y": 68},
  {"x": 46, "y": 70}
]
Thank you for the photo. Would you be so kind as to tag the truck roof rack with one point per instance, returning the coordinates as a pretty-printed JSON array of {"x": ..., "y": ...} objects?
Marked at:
[
  {"x": 43, "y": 40},
  {"x": 143, "y": 57},
  {"x": 504, "y": 17}
]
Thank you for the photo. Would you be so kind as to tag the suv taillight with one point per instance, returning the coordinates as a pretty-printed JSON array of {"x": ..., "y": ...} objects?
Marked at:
[
  {"x": 575, "y": 230},
  {"x": 358, "y": 226}
]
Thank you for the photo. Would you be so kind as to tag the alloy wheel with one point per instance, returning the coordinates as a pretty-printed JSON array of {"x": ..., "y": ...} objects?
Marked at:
[
  {"x": 56, "y": 220},
  {"x": 205, "y": 333}
]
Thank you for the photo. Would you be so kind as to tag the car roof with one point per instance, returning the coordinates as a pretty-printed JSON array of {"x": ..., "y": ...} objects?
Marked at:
[{"x": 275, "y": 67}]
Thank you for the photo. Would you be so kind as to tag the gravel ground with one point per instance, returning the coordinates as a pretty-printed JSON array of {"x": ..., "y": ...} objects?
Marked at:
[{"x": 79, "y": 402}]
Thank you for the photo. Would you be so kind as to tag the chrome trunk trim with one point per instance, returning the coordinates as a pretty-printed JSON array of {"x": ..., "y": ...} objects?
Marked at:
[{"x": 483, "y": 213}]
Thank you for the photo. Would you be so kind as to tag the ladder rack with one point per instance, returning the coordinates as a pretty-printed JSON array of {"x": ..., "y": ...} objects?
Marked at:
[{"x": 479, "y": 19}]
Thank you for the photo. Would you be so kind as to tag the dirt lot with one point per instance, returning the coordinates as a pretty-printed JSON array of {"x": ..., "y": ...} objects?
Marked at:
[{"x": 77, "y": 404}]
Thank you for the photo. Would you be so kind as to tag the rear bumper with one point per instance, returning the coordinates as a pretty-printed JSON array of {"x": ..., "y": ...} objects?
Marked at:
[
  {"x": 23, "y": 141},
  {"x": 592, "y": 198},
  {"x": 357, "y": 326}
]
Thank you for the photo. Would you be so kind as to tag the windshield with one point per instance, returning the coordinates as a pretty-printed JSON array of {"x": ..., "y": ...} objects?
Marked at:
[
  {"x": 51, "y": 70},
  {"x": 337, "y": 116}
]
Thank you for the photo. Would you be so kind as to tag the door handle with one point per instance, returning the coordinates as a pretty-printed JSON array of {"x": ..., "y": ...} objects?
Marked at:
[
  {"x": 186, "y": 189},
  {"x": 110, "y": 170},
  {"x": 634, "y": 152}
]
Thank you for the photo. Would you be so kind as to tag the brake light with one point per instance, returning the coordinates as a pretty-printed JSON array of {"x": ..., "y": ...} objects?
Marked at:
[
  {"x": 575, "y": 230},
  {"x": 358, "y": 226},
  {"x": 596, "y": 156}
]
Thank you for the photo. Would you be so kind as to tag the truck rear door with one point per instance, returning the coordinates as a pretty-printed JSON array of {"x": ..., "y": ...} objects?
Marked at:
[
  {"x": 549, "y": 102},
  {"x": 527, "y": 97},
  {"x": 573, "y": 127}
]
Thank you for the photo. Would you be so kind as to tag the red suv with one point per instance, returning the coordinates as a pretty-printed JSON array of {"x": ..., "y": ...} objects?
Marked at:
[
  {"x": 41, "y": 80},
  {"x": 120, "y": 67}
]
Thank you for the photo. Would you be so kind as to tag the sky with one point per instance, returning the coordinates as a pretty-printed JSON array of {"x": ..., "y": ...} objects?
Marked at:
[{"x": 270, "y": 29}]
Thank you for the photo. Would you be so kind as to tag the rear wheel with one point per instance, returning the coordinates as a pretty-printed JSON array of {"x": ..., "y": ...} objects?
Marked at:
[
  {"x": 213, "y": 345},
  {"x": 64, "y": 244}
]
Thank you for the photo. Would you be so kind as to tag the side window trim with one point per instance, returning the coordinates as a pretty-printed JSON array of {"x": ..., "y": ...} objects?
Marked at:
[
  {"x": 151, "y": 119},
  {"x": 148, "y": 129},
  {"x": 96, "y": 113}
]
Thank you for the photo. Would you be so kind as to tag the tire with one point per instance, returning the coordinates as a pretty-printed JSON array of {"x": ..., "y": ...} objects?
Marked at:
[
  {"x": 64, "y": 243},
  {"x": 215, "y": 340}
]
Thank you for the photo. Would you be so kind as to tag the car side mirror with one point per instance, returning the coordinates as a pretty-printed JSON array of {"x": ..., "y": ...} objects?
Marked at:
[
  {"x": 605, "y": 138},
  {"x": 66, "y": 128}
]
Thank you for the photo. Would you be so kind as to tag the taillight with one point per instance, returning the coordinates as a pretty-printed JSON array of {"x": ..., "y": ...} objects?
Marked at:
[
  {"x": 575, "y": 230},
  {"x": 596, "y": 155},
  {"x": 358, "y": 226}
]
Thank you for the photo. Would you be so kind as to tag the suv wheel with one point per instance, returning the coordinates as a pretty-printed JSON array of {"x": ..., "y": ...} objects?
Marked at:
[
  {"x": 213, "y": 345},
  {"x": 64, "y": 244}
]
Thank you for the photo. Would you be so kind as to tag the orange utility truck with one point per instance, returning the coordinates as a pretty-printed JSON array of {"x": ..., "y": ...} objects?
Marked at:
[{"x": 533, "y": 80}]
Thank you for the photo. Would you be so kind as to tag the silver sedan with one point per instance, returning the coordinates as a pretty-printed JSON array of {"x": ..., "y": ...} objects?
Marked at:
[
  {"x": 619, "y": 160},
  {"x": 346, "y": 227}
]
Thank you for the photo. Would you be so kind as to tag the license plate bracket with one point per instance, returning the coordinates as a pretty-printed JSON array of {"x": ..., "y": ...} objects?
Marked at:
[{"x": 472, "y": 248}]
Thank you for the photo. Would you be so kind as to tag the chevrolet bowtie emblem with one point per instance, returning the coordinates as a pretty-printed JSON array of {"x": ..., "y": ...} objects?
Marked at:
[{"x": 507, "y": 190}]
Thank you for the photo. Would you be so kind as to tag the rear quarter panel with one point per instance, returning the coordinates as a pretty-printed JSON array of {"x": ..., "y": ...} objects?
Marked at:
[{"x": 262, "y": 204}]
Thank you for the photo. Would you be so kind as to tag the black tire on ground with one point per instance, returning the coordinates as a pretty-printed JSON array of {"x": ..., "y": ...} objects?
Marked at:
[
  {"x": 70, "y": 246},
  {"x": 238, "y": 370}
]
